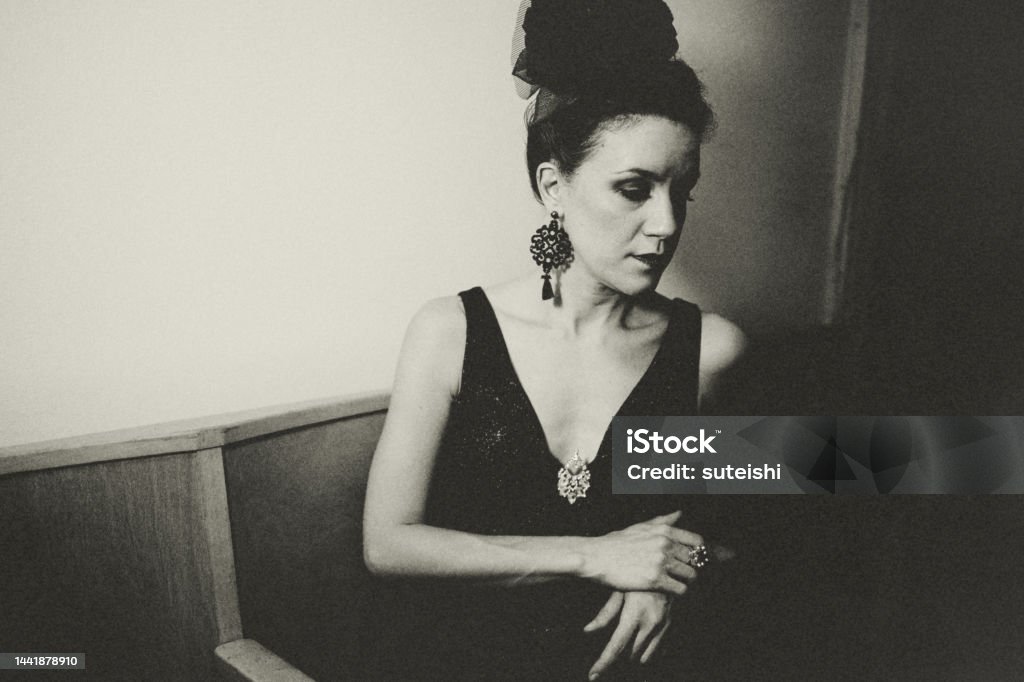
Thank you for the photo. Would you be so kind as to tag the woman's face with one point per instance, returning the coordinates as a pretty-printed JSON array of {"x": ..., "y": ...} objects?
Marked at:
[{"x": 625, "y": 206}]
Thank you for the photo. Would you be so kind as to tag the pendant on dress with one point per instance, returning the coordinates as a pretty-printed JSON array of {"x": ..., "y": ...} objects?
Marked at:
[{"x": 574, "y": 479}]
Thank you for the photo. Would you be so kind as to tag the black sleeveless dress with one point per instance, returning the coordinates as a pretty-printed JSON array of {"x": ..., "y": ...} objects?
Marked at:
[{"x": 494, "y": 475}]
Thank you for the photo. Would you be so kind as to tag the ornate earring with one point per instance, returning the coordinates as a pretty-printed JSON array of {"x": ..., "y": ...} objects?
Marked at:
[{"x": 551, "y": 248}]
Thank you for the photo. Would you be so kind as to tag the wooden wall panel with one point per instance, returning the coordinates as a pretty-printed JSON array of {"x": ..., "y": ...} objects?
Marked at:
[
  {"x": 110, "y": 560},
  {"x": 296, "y": 503}
]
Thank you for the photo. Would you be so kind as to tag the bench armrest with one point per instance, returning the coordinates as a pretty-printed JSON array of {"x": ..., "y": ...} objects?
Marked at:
[{"x": 246, "y": 660}]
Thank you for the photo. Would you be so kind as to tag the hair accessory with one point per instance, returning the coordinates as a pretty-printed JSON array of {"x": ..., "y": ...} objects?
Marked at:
[
  {"x": 551, "y": 248},
  {"x": 574, "y": 479},
  {"x": 565, "y": 45},
  {"x": 700, "y": 556}
]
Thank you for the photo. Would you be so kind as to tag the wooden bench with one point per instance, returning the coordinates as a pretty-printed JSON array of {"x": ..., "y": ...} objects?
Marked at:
[{"x": 148, "y": 549}]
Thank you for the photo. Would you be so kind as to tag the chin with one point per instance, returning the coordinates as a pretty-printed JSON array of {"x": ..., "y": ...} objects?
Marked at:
[{"x": 638, "y": 286}]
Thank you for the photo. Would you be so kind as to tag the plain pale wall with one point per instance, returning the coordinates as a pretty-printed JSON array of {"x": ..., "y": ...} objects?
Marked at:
[
  {"x": 208, "y": 207},
  {"x": 757, "y": 239}
]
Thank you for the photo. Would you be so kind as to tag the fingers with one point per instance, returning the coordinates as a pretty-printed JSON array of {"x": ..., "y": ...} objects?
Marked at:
[
  {"x": 684, "y": 554},
  {"x": 664, "y": 525},
  {"x": 655, "y": 641},
  {"x": 680, "y": 535},
  {"x": 670, "y": 585},
  {"x": 643, "y": 635},
  {"x": 676, "y": 561},
  {"x": 642, "y": 621},
  {"x": 607, "y": 613},
  {"x": 679, "y": 568},
  {"x": 683, "y": 537},
  {"x": 616, "y": 645},
  {"x": 667, "y": 519}
]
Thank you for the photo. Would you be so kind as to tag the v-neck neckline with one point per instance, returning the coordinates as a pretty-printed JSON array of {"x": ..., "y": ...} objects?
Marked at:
[{"x": 537, "y": 423}]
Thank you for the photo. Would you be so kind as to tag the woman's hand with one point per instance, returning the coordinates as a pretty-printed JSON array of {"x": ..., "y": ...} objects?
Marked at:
[
  {"x": 648, "y": 556},
  {"x": 643, "y": 619}
]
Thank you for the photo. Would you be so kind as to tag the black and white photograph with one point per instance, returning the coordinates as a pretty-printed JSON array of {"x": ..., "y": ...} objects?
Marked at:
[{"x": 320, "y": 321}]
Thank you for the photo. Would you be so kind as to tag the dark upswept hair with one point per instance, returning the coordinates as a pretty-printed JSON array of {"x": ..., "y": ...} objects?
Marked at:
[
  {"x": 565, "y": 128},
  {"x": 595, "y": 63}
]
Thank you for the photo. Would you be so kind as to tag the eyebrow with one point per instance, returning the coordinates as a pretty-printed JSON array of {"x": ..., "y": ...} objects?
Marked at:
[{"x": 651, "y": 175}]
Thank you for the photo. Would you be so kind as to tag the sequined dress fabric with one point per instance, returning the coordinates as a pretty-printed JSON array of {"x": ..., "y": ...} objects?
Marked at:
[{"x": 494, "y": 475}]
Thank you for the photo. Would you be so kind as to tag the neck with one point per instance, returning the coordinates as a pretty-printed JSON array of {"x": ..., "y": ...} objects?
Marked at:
[{"x": 584, "y": 306}]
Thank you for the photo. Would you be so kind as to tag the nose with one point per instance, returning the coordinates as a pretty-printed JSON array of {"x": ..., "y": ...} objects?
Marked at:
[{"x": 666, "y": 217}]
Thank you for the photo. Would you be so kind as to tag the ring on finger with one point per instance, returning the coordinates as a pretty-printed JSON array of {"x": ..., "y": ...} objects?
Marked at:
[{"x": 700, "y": 556}]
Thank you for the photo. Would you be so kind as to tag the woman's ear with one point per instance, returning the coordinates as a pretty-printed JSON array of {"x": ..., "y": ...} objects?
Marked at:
[{"x": 550, "y": 184}]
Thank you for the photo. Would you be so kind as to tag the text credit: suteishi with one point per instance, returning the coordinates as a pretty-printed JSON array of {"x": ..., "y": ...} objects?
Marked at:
[{"x": 645, "y": 441}]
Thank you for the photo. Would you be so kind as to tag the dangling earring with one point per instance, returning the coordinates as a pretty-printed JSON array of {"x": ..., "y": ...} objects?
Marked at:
[{"x": 551, "y": 248}]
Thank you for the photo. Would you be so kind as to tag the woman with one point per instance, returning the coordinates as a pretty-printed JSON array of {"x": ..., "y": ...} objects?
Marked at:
[{"x": 490, "y": 491}]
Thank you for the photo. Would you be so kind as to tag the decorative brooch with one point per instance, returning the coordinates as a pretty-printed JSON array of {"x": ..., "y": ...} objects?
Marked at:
[{"x": 574, "y": 479}]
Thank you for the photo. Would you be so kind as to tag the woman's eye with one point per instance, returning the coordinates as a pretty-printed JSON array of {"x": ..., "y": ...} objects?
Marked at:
[
  {"x": 636, "y": 194},
  {"x": 689, "y": 197}
]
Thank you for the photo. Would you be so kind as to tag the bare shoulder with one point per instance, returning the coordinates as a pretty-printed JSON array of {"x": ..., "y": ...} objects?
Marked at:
[
  {"x": 722, "y": 343},
  {"x": 434, "y": 342},
  {"x": 441, "y": 318}
]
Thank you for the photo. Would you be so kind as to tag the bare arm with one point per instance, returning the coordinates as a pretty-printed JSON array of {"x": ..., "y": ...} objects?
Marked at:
[
  {"x": 648, "y": 556},
  {"x": 722, "y": 343}
]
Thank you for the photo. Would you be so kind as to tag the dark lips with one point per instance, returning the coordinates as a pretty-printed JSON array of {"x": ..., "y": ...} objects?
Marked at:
[{"x": 651, "y": 260}]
